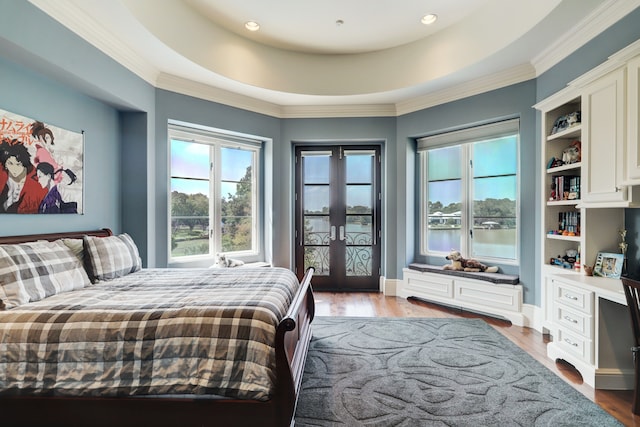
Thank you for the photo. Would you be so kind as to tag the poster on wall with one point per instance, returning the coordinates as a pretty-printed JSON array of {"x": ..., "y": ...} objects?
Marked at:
[{"x": 40, "y": 167}]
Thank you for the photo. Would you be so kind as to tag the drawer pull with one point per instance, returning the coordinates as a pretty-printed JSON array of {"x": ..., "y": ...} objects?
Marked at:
[
  {"x": 571, "y": 297},
  {"x": 570, "y": 319},
  {"x": 568, "y": 341}
]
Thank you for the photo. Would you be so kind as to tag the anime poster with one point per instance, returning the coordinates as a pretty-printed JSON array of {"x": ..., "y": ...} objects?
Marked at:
[{"x": 40, "y": 167}]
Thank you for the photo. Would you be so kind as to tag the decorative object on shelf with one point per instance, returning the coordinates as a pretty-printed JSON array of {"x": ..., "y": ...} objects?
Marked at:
[
  {"x": 567, "y": 261},
  {"x": 588, "y": 270},
  {"x": 572, "y": 154},
  {"x": 576, "y": 265},
  {"x": 554, "y": 162},
  {"x": 609, "y": 265},
  {"x": 623, "y": 248},
  {"x": 566, "y": 121},
  {"x": 459, "y": 263}
]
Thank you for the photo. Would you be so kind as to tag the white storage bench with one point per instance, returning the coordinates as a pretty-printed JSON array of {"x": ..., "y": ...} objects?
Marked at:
[{"x": 495, "y": 294}]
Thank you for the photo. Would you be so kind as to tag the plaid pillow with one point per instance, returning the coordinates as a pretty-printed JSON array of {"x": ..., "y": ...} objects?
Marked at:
[
  {"x": 111, "y": 257},
  {"x": 33, "y": 271},
  {"x": 12, "y": 292}
]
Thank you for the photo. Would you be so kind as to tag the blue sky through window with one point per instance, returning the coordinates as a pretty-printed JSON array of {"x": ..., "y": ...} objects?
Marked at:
[{"x": 191, "y": 160}]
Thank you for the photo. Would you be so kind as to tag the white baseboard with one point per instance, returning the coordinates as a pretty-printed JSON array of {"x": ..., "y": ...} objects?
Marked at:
[{"x": 389, "y": 287}]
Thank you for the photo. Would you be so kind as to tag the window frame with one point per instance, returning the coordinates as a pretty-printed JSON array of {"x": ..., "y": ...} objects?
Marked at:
[
  {"x": 217, "y": 139},
  {"x": 465, "y": 138}
]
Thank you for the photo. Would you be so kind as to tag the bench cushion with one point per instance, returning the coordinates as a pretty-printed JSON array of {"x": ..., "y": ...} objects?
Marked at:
[{"x": 496, "y": 278}]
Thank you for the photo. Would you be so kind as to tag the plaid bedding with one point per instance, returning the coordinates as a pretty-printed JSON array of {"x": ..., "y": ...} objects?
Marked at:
[{"x": 153, "y": 332}]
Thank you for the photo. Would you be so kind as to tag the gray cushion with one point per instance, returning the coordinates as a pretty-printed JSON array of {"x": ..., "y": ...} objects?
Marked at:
[{"x": 497, "y": 278}]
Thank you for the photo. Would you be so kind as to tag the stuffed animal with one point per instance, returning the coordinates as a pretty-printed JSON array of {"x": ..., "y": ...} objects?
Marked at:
[
  {"x": 572, "y": 154},
  {"x": 225, "y": 262},
  {"x": 459, "y": 263}
]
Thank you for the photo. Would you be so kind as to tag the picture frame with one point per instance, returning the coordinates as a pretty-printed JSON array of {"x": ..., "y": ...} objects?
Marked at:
[{"x": 608, "y": 264}]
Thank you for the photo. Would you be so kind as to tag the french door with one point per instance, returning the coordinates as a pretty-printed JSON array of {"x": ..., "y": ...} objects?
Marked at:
[{"x": 338, "y": 204}]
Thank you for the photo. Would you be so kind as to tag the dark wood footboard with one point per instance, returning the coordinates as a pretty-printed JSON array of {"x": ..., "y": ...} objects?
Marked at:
[{"x": 293, "y": 335}]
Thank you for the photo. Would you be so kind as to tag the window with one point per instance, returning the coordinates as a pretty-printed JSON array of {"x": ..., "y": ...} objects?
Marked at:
[
  {"x": 469, "y": 192},
  {"x": 214, "y": 193}
]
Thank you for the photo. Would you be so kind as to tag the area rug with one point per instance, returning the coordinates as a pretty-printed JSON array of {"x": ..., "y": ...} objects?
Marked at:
[{"x": 431, "y": 372}]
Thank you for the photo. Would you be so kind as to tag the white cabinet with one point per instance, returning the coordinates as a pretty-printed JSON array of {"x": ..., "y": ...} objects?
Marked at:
[
  {"x": 603, "y": 138},
  {"x": 503, "y": 300},
  {"x": 573, "y": 320},
  {"x": 587, "y": 321},
  {"x": 631, "y": 166}
]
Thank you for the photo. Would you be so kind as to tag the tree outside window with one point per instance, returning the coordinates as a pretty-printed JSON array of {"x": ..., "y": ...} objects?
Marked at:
[{"x": 213, "y": 197}]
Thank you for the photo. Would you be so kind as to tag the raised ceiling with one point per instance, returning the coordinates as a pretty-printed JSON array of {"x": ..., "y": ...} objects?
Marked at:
[{"x": 336, "y": 57}]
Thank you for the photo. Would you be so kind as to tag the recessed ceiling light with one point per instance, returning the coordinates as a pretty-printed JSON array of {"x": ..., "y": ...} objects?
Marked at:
[
  {"x": 252, "y": 26},
  {"x": 429, "y": 19}
]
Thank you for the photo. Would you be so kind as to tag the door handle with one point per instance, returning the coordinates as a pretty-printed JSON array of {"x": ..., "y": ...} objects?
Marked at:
[
  {"x": 341, "y": 232},
  {"x": 332, "y": 233}
]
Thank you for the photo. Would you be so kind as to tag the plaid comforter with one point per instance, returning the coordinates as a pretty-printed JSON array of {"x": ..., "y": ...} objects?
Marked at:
[{"x": 153, "y": 332}]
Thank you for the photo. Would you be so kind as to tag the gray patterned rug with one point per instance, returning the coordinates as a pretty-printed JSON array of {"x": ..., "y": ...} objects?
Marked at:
[{"x": 431, "y": 372}]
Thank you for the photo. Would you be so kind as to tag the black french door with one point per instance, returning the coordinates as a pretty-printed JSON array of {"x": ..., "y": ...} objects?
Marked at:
[{"x": 338, "y": 204}]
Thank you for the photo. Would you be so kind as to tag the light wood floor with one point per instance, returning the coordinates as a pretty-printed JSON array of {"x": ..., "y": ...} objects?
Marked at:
[{"x": 617, "y": 403}]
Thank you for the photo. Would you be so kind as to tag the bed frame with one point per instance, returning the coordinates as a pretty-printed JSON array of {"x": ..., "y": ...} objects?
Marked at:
[{"x": 293, "y": 335}]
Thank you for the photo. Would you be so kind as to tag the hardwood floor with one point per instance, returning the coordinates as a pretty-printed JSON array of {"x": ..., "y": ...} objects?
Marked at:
[{"x": 617, "y": 403}]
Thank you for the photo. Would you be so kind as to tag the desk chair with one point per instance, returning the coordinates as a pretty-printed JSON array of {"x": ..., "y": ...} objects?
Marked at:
[{"x": 632, "y": 292}]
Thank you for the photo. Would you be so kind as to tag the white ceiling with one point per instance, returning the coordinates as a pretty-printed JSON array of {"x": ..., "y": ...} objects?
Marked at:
[{"x": 380, "y": 61}]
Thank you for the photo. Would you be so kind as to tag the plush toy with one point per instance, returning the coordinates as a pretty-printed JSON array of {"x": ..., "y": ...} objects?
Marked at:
[
  {"x": 459, "y": 263},
  {"x": 225, "y": 262},
  {"x": 572, "y": 154}
]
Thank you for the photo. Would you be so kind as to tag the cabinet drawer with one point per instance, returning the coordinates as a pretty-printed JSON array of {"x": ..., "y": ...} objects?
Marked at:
[
  {"x": 573, "y": 320},
  {"x": 575, "y": 344},
  {"x": 429, "y": 285},
  {"x": 573, "y": 297},
  {"x": 506, "y": 297}
]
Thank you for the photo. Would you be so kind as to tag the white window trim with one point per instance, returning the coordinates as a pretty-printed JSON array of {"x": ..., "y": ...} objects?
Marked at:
[
  {"x": 459, "y": 137},
  {"x": 218, "y": 138}
]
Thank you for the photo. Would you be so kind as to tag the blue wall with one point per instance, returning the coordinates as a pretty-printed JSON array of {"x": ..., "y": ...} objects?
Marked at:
[{"x": 49, "y": 73}]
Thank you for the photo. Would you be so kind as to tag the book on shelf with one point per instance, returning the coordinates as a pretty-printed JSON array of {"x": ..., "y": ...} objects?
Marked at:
[{"x": 565, "y": 187}]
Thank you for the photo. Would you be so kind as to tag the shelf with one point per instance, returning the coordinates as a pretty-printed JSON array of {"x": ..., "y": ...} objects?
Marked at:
[
  {"x": 573, "y": 202},
  {"x": 561, "y": 237},
  {"x": 563, "y": 168},
  {"x": 572, "y": 132},
  {"x": 556, "y": 269}
]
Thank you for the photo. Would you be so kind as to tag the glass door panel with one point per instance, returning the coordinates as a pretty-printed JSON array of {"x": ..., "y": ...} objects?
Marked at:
[{"x": 337, "y": 220}]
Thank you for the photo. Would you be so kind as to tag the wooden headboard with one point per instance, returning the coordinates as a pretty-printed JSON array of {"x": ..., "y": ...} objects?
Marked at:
[{"x": 104, "y": 232}]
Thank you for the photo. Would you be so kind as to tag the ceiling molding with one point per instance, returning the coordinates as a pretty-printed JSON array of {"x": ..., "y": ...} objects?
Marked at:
[
  {"x": 93, "y": 32},
  {"x": 469, "y": 88},
  {"x": 214, "y": 94},
  {"x": 333, "y": 111},
  {"x": 604, "y": 16}
]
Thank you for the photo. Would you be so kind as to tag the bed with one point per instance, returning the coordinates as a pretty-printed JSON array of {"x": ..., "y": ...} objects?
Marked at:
[{"x": 138, "y": 347}]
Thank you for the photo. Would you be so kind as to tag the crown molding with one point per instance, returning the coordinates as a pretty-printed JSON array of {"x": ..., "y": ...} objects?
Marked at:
[
  {"x": 604, "y": 16},
  {"x": 214, "y": 94},
  {"x": 469, "y": 88},
  {"x": 333, "y": 111},
  {"x": 92, "y": 31}
]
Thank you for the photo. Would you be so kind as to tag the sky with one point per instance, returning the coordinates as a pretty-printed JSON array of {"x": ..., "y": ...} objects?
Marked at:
[
  {"x": 191, "y": 160},
  {"x": 488, "y": 159}
]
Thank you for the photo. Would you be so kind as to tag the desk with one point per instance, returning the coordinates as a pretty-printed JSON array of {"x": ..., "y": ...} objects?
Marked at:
[{"x": 591, "y": 329}]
